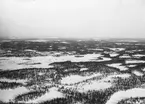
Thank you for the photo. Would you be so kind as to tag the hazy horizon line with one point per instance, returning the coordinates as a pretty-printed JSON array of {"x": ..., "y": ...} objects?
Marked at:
[{"x": 107, "y": 38}]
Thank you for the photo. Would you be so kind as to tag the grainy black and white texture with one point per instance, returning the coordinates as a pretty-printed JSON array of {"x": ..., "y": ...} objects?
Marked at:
[
  {"x": 63, "y": 71},
  {"x": 72, "y": 52}
]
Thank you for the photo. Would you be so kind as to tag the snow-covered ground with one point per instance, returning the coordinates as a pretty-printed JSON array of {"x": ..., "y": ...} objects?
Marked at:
[
  {"x": 119, "y": 66},
  {"x": 102, "y": 84},
  {"x": 77, "y": 78},
  {"x": 143, "y": 69},
  {"x": 83, "y": 69},
  {"x": 14, "y": 80},
  {"x": 92, "y": 84},
  {"x": 38, "y": 40},
  {"x": 95, "y": 49},
  {"x": 125, "y": 56},
  {"x": 138, "y": 55},
  {"x": 51, "y": 94},
  {"x": 122, "y": 95},
  {"x": 132, "y": 51},
  {"x": 114, "y": 54},
  {"x": 9, "y": 94},
  {"x": 134, "y": 61},
  {"x": 117, "y": 49},
  {"x": 131, "y": 66},
  {"x": 11, "y": 63},
  {"x": 137, "y": 73}
]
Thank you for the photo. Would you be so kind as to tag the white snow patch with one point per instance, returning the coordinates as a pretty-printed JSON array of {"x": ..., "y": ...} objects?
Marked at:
[
  {"x": 125, "y": 56},
  {"x": 114, "y": 54},
  {"x": 83, "y": 69},
  {"x": 128, "y": 41},
  {"x": 39, "y": 40},
  {"x": 8, "y": 95},
  {"x": 100, "y": 84},
  {"x": 122, "y": 43},
  {"x": 77, "y": 78},
  {"x": 137, "y": 73},
  {"x": 138, "y": 55},
  {"x": 134, "y": 61},
  {"x": 51, "y": 94},
  {"x": 11, "y": 63},
  {"x": 122, "y": 95},
  {"x": 131, "y": 66},
  {"x": 40, "y": 73},
  {"x": 143, "y": 69},
  {"x": 118, "y": 65},
  {"x": 121, "y": 75},
  {"x": 13, "y": 80},
  {"x": 132, "y": 51},
  {"x": 117, "y": 49},
  {"x": 64, "y": 42},
  {"x": 96, "y": 49},
  {"x": 94, "y": 85}
]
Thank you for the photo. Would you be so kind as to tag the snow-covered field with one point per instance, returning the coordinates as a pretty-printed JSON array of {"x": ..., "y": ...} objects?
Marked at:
[
  {"x": 119, "y": 66},
  {"x": 14, "y": 80},
  {"x": 9, "y": 94},
  {"x": 12, "y": 63},
  {"x": 76, "y": 72},
  {"x": 134, "y": 61},
  {"x": 121, "y": 95},
  {"x": 77, "y": 78},
  {"x": 51, "y": 94}
]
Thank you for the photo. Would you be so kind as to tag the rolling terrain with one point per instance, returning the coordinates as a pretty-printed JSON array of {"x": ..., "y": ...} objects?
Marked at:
[{"x": 64, "y": 71}]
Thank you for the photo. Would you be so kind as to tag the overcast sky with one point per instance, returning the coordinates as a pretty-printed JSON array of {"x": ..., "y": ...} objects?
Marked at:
[{"x": 72, "y": 18}]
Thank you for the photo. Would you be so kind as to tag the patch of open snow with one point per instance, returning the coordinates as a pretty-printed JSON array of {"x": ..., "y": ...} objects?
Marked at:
[
  {"x": 122, "y": 43},
  {"x": 30, "y": 50},
  {"x": 107, "y": 52},
  {"x": 83, "y": 69},
  {"x": 39, "y": 40},
  {"x": 132, "y": 51},
  {"x": 77, "y": 78},
  {"x": 137, "y": 73},
  {"x": 96, "y": 49},
  {"x": 114, "y": 54},
  {"x": 100, "y": 84},
  {"x": 8, "y": 95},
  {"x": 51, "y": 94},
  {"x": 13, "y": 80},
  {"x": 134, "y": 61},
  {"x": 143, "y": 69},
  {"x": 40, "y": 73},
  {"x": 128, "y": 41},
  {"x": 122, "y": 95},
  {"x": 131, "y": 66},
  {"x": 94, "y": 85},
  {"x": 112, "y": 77},
  {"x": 125, "y": 56},
  {"x": 117, "y": 49},
  {"x": 138, "y": 55},
  {"x": 121, "y": 75},
  {"x": 12, "y": 63},
  {"x": 64, "y": 42},
  {"x": 118, "y": 65}
]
